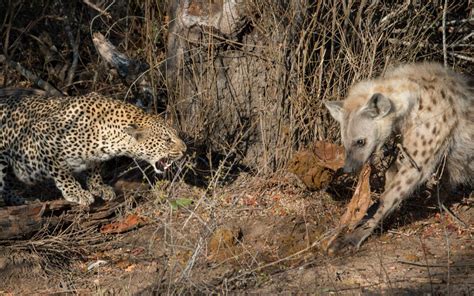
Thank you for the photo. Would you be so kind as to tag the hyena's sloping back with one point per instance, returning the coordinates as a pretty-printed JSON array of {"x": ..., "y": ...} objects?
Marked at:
[
  {"x": 431, "y": 108},
  {"x": 446, "y": 106}
]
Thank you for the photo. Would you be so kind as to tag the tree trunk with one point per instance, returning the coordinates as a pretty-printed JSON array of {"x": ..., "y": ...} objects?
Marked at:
[{"x": 227, "y": 69}]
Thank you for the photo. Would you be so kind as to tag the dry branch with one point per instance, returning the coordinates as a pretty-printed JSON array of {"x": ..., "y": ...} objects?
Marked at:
[
  {"x": 360, "y": 201},
  {"x": 75, "y": 49},
  {"x": 97, "y": 8},
  {"x": 21, "y": 92},
  {"x": 34, "y": 78},
  {"x": 127, "y": 68},
  {"x": 25, "y": 220},
  {"x": 132, "y": 71}
]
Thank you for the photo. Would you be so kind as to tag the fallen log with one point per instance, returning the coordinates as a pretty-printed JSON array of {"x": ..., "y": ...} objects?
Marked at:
[{"x": 19, "y": 222}]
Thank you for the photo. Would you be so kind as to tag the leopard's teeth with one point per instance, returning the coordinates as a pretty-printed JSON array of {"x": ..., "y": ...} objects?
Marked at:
[
  {"x": 158, "y": 171},
  {"x": 167, "y": 166}
]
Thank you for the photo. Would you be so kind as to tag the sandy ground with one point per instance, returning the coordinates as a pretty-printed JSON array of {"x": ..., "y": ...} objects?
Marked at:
[{"x": 254, "y": 236}]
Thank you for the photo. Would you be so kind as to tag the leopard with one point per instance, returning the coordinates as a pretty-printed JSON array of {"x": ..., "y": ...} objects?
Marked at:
[{"x": 57, "y": 137}]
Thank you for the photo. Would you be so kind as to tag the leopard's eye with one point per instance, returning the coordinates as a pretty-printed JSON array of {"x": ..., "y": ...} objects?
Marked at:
[{"x": 360, "y": 142}]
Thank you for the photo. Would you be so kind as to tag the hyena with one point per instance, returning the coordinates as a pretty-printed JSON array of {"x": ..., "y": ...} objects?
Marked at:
[{"x": 431, "y": 109}]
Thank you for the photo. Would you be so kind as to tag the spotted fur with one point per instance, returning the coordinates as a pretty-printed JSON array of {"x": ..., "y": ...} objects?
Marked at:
[
  {"x": 431, "y": 108},
  {"x": 51, "y": 138}
]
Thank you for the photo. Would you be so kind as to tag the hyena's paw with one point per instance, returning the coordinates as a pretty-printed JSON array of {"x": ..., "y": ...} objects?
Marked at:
[
  {"x": 13, "y": 199},
  {"x": 340, "y": 245},
  {"x": 348, "y": 242},
  {"x": 106, "y": 192}
]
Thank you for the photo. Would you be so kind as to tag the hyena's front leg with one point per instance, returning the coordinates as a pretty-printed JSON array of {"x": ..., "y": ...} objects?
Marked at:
[
  {"x": 391, "y": 173},
  {"x": 403, "y": 184}
]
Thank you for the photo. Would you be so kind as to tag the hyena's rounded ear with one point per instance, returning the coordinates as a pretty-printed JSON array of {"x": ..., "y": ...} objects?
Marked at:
[
  {"x": 136, "y": 131},
  {"x": 335, "y": 109},
  {"x": 378, "y": 106}
]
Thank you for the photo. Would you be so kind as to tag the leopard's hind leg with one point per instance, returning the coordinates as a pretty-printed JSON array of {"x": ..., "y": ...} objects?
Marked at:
[
  {"x": 8, "y": 196},
  {"x": 96, "y": 185}
]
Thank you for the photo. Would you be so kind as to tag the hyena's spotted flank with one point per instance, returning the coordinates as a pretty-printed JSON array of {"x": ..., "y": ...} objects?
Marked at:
[{"x": 431, "y": 108}]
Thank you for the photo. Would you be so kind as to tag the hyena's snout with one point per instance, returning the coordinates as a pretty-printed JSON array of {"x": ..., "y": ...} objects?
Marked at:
[{"x": 351, "y": 164}]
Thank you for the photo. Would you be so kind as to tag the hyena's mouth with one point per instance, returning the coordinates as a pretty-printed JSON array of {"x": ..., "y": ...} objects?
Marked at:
[
  {"x": 372, "y": 158},
  {"x": 379, "y": 154}
]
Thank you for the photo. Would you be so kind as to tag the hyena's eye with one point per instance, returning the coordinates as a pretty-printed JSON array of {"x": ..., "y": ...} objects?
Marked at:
[{"x": 360, "y": 143}]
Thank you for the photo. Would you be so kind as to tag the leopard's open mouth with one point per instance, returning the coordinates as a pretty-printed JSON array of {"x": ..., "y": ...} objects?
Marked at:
[{"x": 162, "y": 165}]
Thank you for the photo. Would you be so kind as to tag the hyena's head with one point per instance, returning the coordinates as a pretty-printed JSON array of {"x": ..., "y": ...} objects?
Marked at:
[{"x": 365, "y": 126}]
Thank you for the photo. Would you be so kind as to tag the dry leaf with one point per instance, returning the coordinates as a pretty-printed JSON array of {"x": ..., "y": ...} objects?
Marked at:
[
  {"x": 329, "y": 155},
  {"x": 360, "y": 202},
  {"x": 306, "y": 166},
  {"x": 310, "y": 168},
  {"x": 356, "y": 210},
  {"x": 123, "y": 264},
  {"x": 130, "y": 268},
  {"x": 130, "y": 222}
]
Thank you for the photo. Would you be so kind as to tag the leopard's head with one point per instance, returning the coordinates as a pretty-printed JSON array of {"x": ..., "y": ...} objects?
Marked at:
[{"x": 155, "y": 142}]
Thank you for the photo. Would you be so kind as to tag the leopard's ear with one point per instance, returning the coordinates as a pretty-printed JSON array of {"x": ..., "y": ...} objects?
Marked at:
[{"x": 136, "y": 131}]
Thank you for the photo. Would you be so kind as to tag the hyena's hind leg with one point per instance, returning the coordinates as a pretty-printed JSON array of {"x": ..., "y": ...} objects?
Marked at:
[
  {"x": 8, "y": 196},
  {"x": 404, "y": 183}
]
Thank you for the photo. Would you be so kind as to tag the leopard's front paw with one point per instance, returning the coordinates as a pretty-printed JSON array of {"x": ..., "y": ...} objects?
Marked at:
[
  {"x": 82, "y": 197},
  {"x": 106, "y": 192},
  {"x": 86, "y": 199}
]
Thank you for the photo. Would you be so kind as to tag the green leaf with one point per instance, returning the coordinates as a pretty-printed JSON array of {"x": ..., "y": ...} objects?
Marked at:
[{"x": 180, "y": 202}]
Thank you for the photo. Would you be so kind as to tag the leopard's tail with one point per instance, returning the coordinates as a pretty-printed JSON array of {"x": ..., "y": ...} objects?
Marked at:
[{"x": 21, "y": 92}]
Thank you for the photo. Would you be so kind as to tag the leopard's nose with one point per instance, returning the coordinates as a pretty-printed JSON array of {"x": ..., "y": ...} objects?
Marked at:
[{"x": 178, "y": 149}]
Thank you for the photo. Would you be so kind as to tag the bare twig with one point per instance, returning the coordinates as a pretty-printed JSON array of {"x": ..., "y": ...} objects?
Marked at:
[
  {"x": 34, "y": 78},
  {"x": 97, "y": 8},
  {"x": 467, "y": 36},
  {"x": 445, "y": 55},
  {"x": 74, "y": 47},
  {"x": 462, "y": 57},
  {"x": 440, "y": 173},
  {"x": 462, "y": 21},
  {"x": 426, "y": 265},
  {"x": 21, "y": 92},
  {"x": 434, "y": 265},
  {"x": 453, "y": 216},
  {"x": 395, "y": 13}
]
